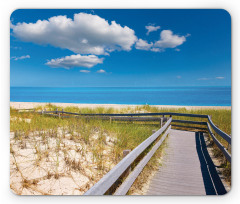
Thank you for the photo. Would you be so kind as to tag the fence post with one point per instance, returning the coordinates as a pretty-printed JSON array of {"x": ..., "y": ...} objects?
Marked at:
[
  {"x": 161, "y": 122},
  {"x": 56, "y": 111}
]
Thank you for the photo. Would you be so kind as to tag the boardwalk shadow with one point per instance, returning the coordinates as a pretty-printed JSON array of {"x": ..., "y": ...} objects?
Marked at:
[{"x": 212, "y": 182}]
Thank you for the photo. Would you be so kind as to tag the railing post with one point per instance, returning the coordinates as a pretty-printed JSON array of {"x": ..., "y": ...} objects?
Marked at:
[
  {"x": 161, "y": 122},
  {"x": 56, "y": 111}
]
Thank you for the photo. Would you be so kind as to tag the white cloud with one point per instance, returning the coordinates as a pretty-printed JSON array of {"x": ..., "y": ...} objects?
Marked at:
[
  {"x": 156, "y": 49},
  {"x": 169, "y": 40},
  {"x": 101, "y": 71},
  {"x": 151, "y": 28},
  {"x": 84, "y": 34},
  {"x": 204, "y": 79},
  {"x": 75, "y": 61},
  {"x": 22, "y": 57},
  {"x": 84, "y": 71},
  {"x": 143, "y": 45}
]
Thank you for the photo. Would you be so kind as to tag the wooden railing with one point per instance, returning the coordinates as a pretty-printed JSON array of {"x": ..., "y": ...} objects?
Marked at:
[
  {"x": 139, "y": 117},
  {"x": 102, "y": 186},
  {"x": 111, "y": 177}
]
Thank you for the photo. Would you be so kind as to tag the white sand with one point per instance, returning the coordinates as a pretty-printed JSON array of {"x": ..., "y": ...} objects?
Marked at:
[
  {"x": 27, "y": 105},
  {"x": 28, "y": 165}
]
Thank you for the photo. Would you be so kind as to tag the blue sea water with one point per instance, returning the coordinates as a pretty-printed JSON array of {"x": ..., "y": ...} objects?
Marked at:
[{"x": 189, "y": 96}]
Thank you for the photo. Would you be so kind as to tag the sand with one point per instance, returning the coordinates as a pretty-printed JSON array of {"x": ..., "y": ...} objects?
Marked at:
[
  {"x": 28, "y": 105},
  {"x": 39, "y": 166},
  {"x": 30, "y": 175}
]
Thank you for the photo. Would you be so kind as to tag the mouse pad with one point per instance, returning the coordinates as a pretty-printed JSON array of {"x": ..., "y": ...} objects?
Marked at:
[{"x": 120, "y": 102}]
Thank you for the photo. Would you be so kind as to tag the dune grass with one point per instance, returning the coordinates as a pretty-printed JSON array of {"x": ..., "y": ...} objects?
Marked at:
[{"x": 61, "y": 148}]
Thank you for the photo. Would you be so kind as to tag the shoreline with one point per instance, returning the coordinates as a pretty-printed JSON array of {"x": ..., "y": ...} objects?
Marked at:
[{"x": 29, "y": 105}]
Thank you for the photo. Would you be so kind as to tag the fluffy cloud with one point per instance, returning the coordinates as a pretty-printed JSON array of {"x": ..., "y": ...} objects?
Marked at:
[
  {"x": 84, "y": 34},
  {"x": 22, "y": 57},
  {"x": 219, "y": 77},
  {"x": 143, "y": 45},
  {"x": 151, "y": 28},
  {"x": 169, "y": 40},
  {"x": 101, "y": 71},
  {"x": 75, "y": 61}
]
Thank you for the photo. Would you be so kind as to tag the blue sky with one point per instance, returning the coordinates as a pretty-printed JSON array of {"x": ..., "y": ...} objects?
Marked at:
[{"x": 133, "y": 48}]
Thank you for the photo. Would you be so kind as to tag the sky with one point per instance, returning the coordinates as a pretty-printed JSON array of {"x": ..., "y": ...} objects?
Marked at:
[{"x": 120, "y": 48}]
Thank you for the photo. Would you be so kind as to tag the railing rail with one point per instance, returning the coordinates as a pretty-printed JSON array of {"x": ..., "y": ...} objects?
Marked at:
[
  {"x": 189, "y": 122},
  {"x": 130, "y": 114},
  {"x": 111, "y": 177},
  {"x": 224, "y": 135},
  {"x": 220, "y": 146},
  {"x": 145, "y": 114},
  {"x": 137, "y": 117},
  {"x": 125, "y": 186}
]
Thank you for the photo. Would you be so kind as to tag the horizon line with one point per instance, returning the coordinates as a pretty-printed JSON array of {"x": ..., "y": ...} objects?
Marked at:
[{"x": 114, "y": 86}]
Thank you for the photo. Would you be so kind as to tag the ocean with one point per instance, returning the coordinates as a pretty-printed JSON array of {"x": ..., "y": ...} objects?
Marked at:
[{"x": 186, "y": 96}]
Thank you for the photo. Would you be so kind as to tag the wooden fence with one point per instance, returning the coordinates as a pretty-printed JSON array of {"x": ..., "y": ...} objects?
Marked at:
[{"x": 102, "y": 186}]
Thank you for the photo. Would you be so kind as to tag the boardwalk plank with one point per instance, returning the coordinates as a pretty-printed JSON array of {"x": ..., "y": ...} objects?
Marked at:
[{"x": 183, "y": 170}]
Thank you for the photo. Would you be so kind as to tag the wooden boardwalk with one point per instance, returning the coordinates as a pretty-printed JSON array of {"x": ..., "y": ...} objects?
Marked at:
[{"x": 187, "y": 168}]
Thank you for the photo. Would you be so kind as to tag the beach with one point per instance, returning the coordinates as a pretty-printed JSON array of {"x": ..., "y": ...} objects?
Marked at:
[
  {"x": 29, "y": 105},
  {"x": 61, "y": 157}
]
